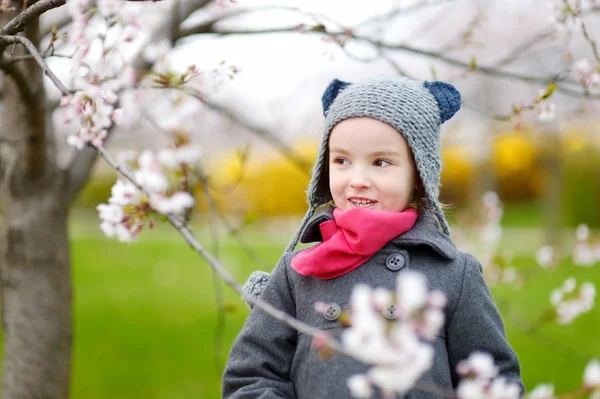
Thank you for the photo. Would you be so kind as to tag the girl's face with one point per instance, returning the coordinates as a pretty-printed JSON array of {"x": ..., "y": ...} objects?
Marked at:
[{"x": 370, "y": 166}]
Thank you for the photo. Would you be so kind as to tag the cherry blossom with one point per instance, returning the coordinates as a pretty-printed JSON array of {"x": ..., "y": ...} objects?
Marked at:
[
  {"x": 568, "y": 305},
  {"x": 390, "y": 333},
  {"x": 587, "y": 73},
  {"x": 480, "y": 379},
  {"x": 542, "y": 391},
  {"x": 591, "y": 375}
]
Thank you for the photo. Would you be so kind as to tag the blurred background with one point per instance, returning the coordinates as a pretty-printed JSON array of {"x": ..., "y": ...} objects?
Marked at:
[{"x": 150, "y": 318}]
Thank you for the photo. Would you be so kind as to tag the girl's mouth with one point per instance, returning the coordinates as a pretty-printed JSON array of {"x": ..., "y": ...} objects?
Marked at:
[{"x": 362, "y": 202}]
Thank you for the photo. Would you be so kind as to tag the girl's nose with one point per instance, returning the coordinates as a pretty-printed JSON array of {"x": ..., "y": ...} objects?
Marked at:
[{"x": 360, "y": 181}]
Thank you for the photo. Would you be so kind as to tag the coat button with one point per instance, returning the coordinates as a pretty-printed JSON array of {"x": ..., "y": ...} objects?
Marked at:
[
  {"x": 333, "y": 311},
  {"x": 395, "y": 262},
  {"x": 390, "y": 312}
]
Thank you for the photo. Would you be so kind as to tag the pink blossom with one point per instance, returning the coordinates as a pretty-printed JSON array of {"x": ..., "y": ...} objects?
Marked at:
[{"x": 125, "y": 193}]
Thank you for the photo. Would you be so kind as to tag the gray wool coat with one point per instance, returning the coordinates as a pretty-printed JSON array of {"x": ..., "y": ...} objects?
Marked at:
[{"x": 271, "y": 360}]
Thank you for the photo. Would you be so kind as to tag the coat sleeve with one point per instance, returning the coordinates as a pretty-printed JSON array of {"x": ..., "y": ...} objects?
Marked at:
[
  {"x": 261, "y": 357},
  {"x": 476, "y": 325}
]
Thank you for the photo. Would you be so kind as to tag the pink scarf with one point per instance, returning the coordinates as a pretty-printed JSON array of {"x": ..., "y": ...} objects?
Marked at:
[{"x": 350, "y": 239}]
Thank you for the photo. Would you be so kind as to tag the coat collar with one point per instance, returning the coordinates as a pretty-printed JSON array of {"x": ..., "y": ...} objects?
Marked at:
[{"x": 426, "y": 231}]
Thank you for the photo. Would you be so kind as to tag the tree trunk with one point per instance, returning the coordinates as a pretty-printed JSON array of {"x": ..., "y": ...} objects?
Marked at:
[
  {"x": 34, "y": 263},
  {"x": 36, "y": 298}
]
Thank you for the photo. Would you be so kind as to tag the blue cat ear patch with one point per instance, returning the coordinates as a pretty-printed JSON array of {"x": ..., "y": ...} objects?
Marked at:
[
  {"x": 331, "y": 92},
  {"x": 447, "y": 97}
]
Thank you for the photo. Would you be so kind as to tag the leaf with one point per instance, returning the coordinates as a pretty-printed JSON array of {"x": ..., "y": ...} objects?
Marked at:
[
  {"x": 433, "y": 73},
  {"x": 473, "y": 66}
]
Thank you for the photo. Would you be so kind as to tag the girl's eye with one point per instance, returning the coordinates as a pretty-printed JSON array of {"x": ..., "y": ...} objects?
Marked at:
[
  {"x": 381, "y": 162},
  {"x": 340, "y": 161}
]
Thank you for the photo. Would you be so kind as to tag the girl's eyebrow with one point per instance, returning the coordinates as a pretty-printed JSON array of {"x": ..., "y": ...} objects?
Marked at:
[
  {"x": 338, "y": 150},
  {"x": 386, "y": 154}
]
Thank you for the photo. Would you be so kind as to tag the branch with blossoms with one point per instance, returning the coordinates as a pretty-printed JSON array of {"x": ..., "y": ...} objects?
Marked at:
[
  {"x": 480, "y": 232},
  {"x": 151, "y": 186},
  {"x": 154, "y": 185}
]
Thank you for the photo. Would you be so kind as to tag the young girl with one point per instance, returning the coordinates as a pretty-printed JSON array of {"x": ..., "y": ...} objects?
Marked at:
[{"x": 379, "y": 164}]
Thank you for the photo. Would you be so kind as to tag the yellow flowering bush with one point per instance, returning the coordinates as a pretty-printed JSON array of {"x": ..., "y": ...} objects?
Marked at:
[
  {"x": 264, "y": 184},
  {"x": 516, "y": 166},
  {"x": 458, "y": 175}
]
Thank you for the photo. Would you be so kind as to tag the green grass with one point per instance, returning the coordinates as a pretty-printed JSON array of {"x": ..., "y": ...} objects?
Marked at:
[{"x": 146, "y": 316}]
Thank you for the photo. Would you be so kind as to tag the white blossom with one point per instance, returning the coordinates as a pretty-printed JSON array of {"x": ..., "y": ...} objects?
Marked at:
[
  {"x": 545, "y": 256},
  {"x": 591, "y": 375},
  {"x": 587, "y": 73},
  {"x": 546, "y": 111},
  {"x": 175, "y": 204},
  {"x": 412, "y": 291},
  {"x": 478, "y": 364},
  {"x": 360, "y": 387},
  {"x": 396, "y": 349},
  {"x": 542, "y": 391},
  {"x": 150, "y": 174},
  {"x": 111, "y": 213},
  {"x": 173, "y": 157},
  {"x": 582, "y": 232},
  {"x": 124, "y": 193},
  {"x": 109, "y": 8},
  {"x": 569, "y": 307}
]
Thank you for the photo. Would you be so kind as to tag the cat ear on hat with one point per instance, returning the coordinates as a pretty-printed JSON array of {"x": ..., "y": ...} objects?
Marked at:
[
  {"x": 447, "y": 97},
  {"x": 331, "y": 92}
]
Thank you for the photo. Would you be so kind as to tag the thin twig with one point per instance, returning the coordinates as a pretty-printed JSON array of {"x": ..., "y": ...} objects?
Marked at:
[
  {"x": 591, "y": 41},
  {"x": 402, "y": 11},
  {"x": 38, "y": 58},
  {"x": 221, "y": 319}
]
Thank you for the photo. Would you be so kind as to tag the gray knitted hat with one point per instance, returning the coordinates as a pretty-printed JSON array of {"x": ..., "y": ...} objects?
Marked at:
[{"x": 415, "y": 109}]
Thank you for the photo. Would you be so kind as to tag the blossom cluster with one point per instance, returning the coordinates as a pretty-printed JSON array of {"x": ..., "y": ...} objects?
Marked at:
[
  {"x": 389, "y": 331},
  {"x": 95, "y": 109},
  {"x": 585, "y": 251},
  {"x": 591, "y": 379},
  {"x": 480, "y": 380},
  {"x": 98, "y": 30},
  {"x": 566, "y": 14},
  {"x": 480, "y": 232},
  {"x": 6, "y": 6},
  {"x": 569, "y": 305},
  {"x": 591, "y": 385},
  {"x": 129, "y": 208},
  {"x": 587, "y": 73}
]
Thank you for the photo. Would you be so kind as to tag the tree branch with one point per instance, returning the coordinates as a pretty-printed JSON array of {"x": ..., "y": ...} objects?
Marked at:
[
  {"x": 264, "y": 134},
  {"x": 38, "y": 58},
  {"x": 18, "y": 23}
]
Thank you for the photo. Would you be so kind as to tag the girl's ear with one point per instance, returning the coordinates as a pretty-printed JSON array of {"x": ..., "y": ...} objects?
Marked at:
[
  {"x": 331, "y": 92},
  {"x": 447, "y": 97}
]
